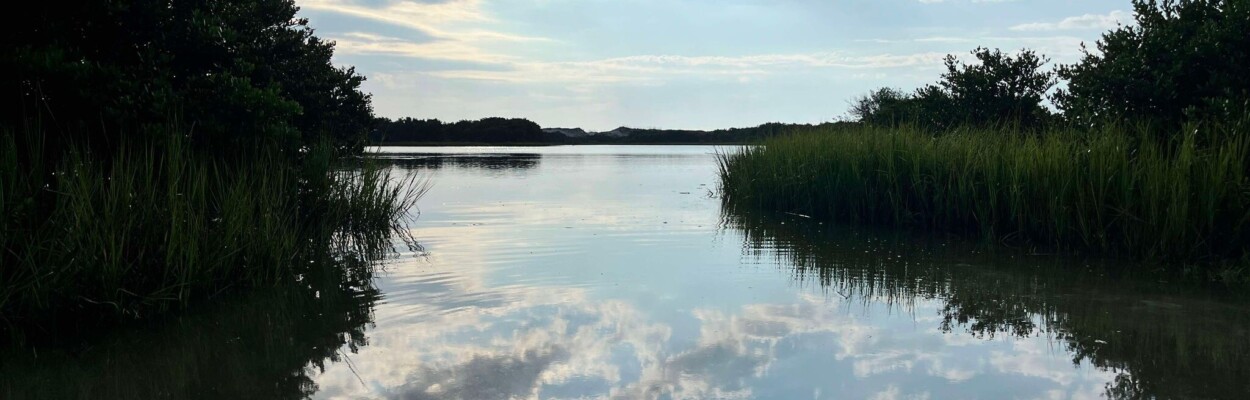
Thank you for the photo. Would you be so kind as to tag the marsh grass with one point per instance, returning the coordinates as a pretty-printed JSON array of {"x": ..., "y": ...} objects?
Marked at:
[
  {"x": 1111, "y": 191},
  {"x": 155, "y": 225}
]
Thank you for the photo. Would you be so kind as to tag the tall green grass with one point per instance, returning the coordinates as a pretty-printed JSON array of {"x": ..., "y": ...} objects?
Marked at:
[
  {"x": 155, "y": 225},
  {"x": 1109, "y": 191}
]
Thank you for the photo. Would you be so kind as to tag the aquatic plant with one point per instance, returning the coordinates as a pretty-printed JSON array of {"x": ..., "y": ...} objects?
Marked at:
[
  {"x": 1114, "y": 190},
  {"x": 157, "y": 226}
]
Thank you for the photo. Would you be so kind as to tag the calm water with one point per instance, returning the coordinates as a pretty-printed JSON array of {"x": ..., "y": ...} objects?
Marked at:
[{"x": 612, "y": 272}]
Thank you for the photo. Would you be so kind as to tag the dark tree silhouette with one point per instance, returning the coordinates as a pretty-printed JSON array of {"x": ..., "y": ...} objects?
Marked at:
[
  {"x": 1183, "y": 60},
  {"x": 998, "y": 89},
  {"x": 230, "y": 71}
]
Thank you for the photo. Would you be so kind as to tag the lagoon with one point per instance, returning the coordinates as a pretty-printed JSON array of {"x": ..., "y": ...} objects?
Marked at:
[{"x": 573, "y": 272}]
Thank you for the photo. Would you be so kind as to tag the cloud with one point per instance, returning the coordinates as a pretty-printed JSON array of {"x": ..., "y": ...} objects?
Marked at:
[
  {"x": 482, "y": 377},
  {"x": 635, "y": 69},
  {"x": 562, "y": 342},
  {"x": 356, "y": 43},
  {"x": 1060, "y": 48},
  {"x": 974, "y": 1},
  {"x": 1082, "y": 22},
  {"x": 458, "y": 29}
]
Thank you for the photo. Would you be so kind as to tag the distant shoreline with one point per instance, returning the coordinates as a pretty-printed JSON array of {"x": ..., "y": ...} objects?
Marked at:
[{"x": 487, "y": 144}]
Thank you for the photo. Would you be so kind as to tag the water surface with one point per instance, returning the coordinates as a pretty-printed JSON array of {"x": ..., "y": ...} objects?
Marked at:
[{"x": 612, "y": 272}]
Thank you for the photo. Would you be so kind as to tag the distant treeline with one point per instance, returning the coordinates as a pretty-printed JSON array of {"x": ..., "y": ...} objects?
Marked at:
[
  {"x": 487, "y": 130},
  {"x": 674, "y": 136},
  {"x": 523, "y": 131}
]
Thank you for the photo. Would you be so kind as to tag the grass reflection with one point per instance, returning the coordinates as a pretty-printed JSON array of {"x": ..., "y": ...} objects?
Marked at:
[
  {"x": 1162, "y": 340},
  {"x": 259, "y": 346},
  {"x": 269, "y": 343}
]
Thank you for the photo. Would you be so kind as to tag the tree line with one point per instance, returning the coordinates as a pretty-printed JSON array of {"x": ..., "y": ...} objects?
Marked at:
[
  {"x": 523, "y": 131},
  {"x": 229, "y": 73},
  {"x": 1181, "y": 61},
  {"x": 156, "y": 153},
  {"x": 486, "y": 130}
]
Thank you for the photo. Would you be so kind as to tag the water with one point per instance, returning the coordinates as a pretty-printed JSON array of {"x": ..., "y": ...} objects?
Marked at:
[{"x": 612, "y": 272}]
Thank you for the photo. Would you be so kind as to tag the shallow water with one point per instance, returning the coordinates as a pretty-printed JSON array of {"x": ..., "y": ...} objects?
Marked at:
[{"x": 612, "y": 272}]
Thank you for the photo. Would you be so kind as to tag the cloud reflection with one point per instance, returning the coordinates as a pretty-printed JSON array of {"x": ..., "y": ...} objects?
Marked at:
[
  {"x": 554, "y": 288},
  {"x": 561, "y": 342}
]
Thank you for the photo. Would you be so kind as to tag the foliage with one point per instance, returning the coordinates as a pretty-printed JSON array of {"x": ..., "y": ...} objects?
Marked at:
[
  {"x": 731, "y": 135},
  {"x": 884, "y": 106},
  {"x": 1183, "y": 60},
  {"x": 237, "y": 72},
  {"x": 486, "y": 130},
  {"x": 1107, "y": 191},
  {"x": 500, "y": 130},
  {"x": 151, "y": 228},
  {"x": 997, "y": 88}
]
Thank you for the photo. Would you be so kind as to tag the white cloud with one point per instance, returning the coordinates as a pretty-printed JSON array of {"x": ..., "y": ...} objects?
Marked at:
[
  {"x": 640, "y": 68},
  {"x": 450, "y": 50},
  {"x": 1082, "y": 22},
  {"x": 455, "y": 29}
]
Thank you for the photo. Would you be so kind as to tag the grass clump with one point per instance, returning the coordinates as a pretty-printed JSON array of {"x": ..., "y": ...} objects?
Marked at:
[
  {"x": 155, "y": 225},
  {"x": 1109, "y": 191}
]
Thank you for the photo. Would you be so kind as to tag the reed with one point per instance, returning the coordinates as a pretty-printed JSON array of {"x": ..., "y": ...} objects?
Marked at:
[
  {"x": 1112, "y": 191},
  {"x": 155, "y": 225}
]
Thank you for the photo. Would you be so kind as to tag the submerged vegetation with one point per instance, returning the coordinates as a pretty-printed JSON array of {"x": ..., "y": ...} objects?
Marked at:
[{"x": 1155, "y": 177}]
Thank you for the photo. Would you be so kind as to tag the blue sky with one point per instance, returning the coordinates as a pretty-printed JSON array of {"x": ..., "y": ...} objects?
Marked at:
[{"x": 599, "y": 64}]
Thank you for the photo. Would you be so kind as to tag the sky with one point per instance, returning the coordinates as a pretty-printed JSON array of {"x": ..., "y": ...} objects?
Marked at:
[{"x": 676, "y": 64}]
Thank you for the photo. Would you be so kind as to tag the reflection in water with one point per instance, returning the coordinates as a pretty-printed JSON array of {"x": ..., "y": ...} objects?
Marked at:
[
  {"x": 510, "y": 162},
  {"x": 266, "y": 344},
  {"x": 606, "y": 272},
  {"x": 262, "y": 346},
  {"x": 1160, "y": 341},
  {"x": 606, "y": 275}
]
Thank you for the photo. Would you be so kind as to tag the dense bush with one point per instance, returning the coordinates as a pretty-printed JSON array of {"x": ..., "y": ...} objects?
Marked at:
[
  {"x": 160, "y": 152},
  {"x": 234, "y": 72},
  {"x": 997, "y": 89},
  {"x": 1183, "y": 60}
]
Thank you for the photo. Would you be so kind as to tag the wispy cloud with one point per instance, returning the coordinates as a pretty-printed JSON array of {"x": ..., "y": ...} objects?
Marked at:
[
  {"x": 1081, "y": 22},
  {"x": 455, "y": 26},
  {"x": 641, "y": 68},
  {"x": 605, "y": 63},
  {"x": 450, "y": 50}
]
